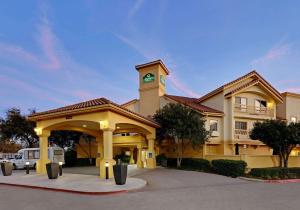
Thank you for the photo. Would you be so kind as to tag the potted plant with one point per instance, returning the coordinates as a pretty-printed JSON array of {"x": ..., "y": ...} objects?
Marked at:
[
  {"x": 6, "y": 168},
  {"x": 120, "y": 173},
  {"x": 52, "y": 170}
]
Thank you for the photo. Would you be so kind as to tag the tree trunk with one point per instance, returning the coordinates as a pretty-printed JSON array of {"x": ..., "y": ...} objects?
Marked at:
[
  {"x": 280, "y": 160},
  {"x": 179, "y": 154}
]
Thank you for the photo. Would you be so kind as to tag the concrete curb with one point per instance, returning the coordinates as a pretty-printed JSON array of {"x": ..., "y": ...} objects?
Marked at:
[
  {"x": 251, "y": 179},
  {"x": 283, "y": 181},
  {"x": 65, "y": 190},
  {"x": 274, "y": 181}
]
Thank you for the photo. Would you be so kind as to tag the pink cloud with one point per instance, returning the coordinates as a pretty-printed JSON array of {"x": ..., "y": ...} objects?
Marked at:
[
  {"x": 48, "y": 41},
  {"x": 83, "y": 95},
  {"x": 181, "y": 87},
  {"x": 16, "y": 51},
  {"x": 275, "y": 53},
  {"x": 25, "y": 87},
  {"x": 292, "y": 89}
]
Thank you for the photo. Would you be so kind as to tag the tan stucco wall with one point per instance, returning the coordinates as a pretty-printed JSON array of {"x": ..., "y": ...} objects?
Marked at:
[
  {"x": 150, "y": 92},
  {"x": 134, "y": 106},
  {"x": 216, "y": 102},
  {"x": 292, "y": 108}
]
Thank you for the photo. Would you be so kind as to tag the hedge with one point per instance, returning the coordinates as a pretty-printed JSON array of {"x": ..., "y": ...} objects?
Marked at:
[
  {"x": 197, "y": 164},
  {"x": 275, "y": 173},
  {"x": 232, "y": 168}
]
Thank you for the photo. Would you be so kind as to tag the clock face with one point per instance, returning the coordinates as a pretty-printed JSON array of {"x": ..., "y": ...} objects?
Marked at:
[{"x": 149, "y": 77}]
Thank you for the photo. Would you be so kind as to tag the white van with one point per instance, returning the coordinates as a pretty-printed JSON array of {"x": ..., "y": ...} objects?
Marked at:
[{"x": 31, "y": 155}]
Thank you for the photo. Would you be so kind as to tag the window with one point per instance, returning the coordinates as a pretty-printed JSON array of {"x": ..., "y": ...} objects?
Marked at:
[
  {"x": 31, "y": 154},
  {"x": 57, "y": 152},
  {"x": 260, "y": 105},
  {"x": 213, "y": 125},
  {"x": 293, "y": 119},
  {"x": 240, "y": 125},
  {"x": 241, "y": 103}
]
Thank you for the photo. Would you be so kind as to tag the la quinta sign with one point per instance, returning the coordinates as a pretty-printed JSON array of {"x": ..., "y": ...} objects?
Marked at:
[{"x": 148, "y": 78}]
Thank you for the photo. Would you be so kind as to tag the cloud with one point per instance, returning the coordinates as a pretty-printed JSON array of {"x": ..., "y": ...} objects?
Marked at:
[
  {"x": 47, "y": 42},
  {"x": 292, "y": 89},
  {"x": 24, "y": 87},
  {"x": 182, "y": 87},
  {"x": 14, "y": 51},
  {"x": 136, "y": 7},
  {"x": 274, "y": 54},
  {"x": 149, "y": 54}
]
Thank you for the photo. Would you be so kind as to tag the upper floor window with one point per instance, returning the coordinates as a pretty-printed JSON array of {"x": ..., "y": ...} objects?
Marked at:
[
  {"x": 240, "y": 125},
  {"x": 293, "y": 119},
  {"x": 213, "y": 125},
  {"x": 260, "y": 105},
  {"x": 241, "y": 103}
]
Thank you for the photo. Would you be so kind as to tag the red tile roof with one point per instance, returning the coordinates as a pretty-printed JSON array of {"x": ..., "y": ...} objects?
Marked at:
[
  {"x": 89, "y": 104},
  {"x": 193, "y": 103}
]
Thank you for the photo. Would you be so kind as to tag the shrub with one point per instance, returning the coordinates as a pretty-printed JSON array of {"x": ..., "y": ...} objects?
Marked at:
[
  {"x": 70, "y": 158},
  {"x": 275, "y": 173},
  {"x": 232, "y": 168},
  {"x": 196, "y": 164},
  {"x": 160, "y": 158},
  {"x": 123, "y": 157}
]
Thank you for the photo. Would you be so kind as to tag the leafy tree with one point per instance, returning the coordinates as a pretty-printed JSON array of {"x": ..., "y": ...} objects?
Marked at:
[
  {"x": 183, "y": 126},
  {"x": 65, "y": 138},
  {"x": 15, "y": 127},
  {"x": 9, "y": 147},
  {"x": 70, "y": 139},
  {"x": 282, "y": 138}
]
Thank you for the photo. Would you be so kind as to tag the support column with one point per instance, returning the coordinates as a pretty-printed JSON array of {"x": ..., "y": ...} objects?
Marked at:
[
  {"x": 107, "y": 153},
  {"x": 43, "y": 143},
  {"x": 99, "y": 150},
  {"x": 151, "y": 160},
  {"x": 131, "y": 161},
  {"x": 139, "y": 157}
]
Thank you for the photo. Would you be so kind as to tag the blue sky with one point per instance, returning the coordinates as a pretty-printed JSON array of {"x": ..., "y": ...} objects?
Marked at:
[{"x": 54, "y": 53}]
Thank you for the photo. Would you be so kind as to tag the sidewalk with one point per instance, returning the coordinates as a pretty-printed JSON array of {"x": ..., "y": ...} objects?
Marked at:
[{"x": 74, "y": 183}]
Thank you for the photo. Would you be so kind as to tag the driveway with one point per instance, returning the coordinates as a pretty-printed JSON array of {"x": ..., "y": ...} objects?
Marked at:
[{"x": 167, "y": 189}]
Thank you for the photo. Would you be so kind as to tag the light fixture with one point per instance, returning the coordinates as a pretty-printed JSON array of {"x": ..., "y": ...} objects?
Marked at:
[
  {"x": 27, "y": 167},
  {"x": 60, "y": 168},
  {"x": 106, "y": 170},
  {"x": 84, "y": 125},
  {"x": 118, "y": 127}
]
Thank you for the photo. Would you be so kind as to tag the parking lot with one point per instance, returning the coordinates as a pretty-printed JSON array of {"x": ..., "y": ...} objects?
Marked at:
[{"x": 166, "y": 189}]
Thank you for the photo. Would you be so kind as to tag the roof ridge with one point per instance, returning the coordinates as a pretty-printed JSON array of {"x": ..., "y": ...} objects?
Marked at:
[
  {"x": 193, "y": 103},
  {"x": 219, "y": 89}
]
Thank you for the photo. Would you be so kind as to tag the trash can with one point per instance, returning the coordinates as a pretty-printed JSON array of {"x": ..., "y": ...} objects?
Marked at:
[
  {"x": 52, "y": 170},
  {"x": 120, "y": 173},
  {"x": 6, "y": 168}
]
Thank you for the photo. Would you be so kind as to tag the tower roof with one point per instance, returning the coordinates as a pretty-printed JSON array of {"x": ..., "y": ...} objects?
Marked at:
[{"x": 138, "y": 67}]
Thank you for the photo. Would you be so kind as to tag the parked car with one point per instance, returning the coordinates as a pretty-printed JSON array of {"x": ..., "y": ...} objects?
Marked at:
[
  {"x": 3, "y": 160},
  {"x": 32, "y": 155}
]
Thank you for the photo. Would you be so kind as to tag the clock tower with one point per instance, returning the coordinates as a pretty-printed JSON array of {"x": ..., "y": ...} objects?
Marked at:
[{"x": 152, "y": 85}]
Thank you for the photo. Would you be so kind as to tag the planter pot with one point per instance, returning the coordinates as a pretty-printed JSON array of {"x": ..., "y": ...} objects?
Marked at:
[
  {"x": 6, "y": 168},
  {"x": 52, "y": 170},
  {"x": 120, "y": 173}
]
